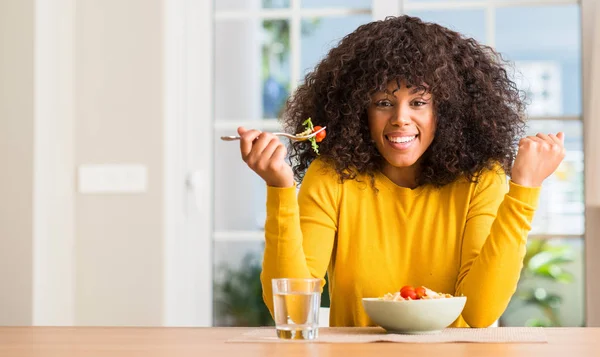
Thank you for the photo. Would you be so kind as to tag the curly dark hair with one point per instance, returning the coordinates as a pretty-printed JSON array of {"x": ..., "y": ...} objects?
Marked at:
[{"x": 478, "y": 109}]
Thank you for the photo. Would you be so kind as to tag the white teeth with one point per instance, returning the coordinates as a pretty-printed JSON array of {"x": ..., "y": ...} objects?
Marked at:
[{"x": 402, "y": 139}]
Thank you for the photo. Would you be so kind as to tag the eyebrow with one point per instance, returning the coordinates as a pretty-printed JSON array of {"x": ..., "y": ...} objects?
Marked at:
[{"x": 414, "y": 90}]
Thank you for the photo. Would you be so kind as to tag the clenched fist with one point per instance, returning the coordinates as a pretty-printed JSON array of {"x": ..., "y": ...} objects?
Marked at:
[
  {"x": 538, "y": 157},
  {"x": 265, "y": 154}
]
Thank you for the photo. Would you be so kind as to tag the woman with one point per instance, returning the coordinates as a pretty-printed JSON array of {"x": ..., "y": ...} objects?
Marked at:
[{"x": 410, "y": 187}]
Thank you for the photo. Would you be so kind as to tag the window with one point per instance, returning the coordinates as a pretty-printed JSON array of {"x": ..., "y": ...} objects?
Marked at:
[{"x": 544, "y": 42}]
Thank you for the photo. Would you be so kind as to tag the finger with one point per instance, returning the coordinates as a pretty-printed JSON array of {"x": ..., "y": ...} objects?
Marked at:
[
  {"x": 246, "y": 142},
  {"x": 250, "y": 133},
  {"x": 561, "y": 136},
  {"x": 534, "y": 142},
  {"x": 545, "y": 137},
  {"x": 555, "y": 139},
  {"x": 279, "y": 153},
  {"x": 266, "y": 154},
  {"x": 523, "y": 141},
  {"x": 528, "y": 140},
  {"x": 548, "y": 144},
  {"x": 537, "y": 140},
  {"x": 258, "y": 146},
  {"x": 558, "y": 145}
]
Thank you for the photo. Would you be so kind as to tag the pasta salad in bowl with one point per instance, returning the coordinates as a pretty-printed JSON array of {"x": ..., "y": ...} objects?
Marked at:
[{"x": 414, "y": 310}]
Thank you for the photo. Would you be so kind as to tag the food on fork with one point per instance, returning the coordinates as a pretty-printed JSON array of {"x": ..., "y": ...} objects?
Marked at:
[
  {"x": 311, "y": 129},
  {"x": 409, "y": 293}
]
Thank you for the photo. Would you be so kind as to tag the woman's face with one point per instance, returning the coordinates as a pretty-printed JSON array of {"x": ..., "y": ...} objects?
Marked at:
[{"x": 402, "y": 123}]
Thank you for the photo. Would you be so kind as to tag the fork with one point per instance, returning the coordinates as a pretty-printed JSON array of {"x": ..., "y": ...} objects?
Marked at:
[{"x": 290, "y": 136}]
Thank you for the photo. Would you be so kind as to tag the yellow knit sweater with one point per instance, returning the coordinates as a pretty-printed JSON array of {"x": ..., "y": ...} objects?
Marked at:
[{"x": 464, "y": 239}]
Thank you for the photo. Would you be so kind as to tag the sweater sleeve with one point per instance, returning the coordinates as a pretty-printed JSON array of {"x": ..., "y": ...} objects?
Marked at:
[
  {"x": 494, "y": 245},
  {"x": 300, "y": 230}
]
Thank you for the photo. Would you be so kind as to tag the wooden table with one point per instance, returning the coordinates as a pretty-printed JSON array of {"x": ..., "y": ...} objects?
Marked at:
[{"x": 197, "y": 342}]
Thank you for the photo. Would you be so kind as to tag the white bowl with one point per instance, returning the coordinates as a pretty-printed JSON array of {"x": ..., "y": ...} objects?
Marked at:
[{"x": 414, "y": 316}]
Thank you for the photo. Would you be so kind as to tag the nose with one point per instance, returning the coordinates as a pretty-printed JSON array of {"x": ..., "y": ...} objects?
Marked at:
[{"x": 401, "y": 117}]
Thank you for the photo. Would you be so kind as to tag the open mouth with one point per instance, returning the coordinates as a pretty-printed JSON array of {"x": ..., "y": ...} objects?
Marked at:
[
  {"x": 401, "y": 139},
  {"x": 401, "y": 142}
]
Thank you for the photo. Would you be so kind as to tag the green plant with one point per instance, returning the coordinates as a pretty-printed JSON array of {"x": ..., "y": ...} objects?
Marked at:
[
  {"x": 238, "y": 295},
  {"x": 276, "y": 45},
  {"x": 544, "y": 263}
]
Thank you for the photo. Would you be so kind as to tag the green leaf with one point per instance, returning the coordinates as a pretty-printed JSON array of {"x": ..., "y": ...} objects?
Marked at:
[
  {"x": 535, "y": 322},
  {"x": 313, "y": 141},
  {"x": 550, "y": 257},
  {"x": 534, "y": 246},
  {"x": 308, "y": 124},
  {"x": 315, "y": 146},
  {"x": 564, "y": 277},
  {"x": 542, "y": 298},
  {"x": 554, "y": 273}
]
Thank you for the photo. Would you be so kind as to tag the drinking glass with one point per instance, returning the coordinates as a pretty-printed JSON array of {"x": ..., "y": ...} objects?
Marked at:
[{"x": 296, "y": 304}]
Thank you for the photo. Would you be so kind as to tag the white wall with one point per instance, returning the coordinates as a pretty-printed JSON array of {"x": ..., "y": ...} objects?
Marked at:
[
  {"x": 16, "y": 160},
  {"x": 82, "y": 83}
]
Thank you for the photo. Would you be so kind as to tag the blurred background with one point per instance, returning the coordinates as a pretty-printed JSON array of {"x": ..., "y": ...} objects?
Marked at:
[{"x": 119, "y": 207}]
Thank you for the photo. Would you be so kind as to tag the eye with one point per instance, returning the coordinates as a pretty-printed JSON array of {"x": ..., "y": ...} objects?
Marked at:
[
  {"x": 384, "y": 103},
  {"x": 419, "y": 103}
]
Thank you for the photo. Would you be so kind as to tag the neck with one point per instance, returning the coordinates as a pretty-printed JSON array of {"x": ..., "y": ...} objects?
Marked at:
[{"x": 401, "y": 176}]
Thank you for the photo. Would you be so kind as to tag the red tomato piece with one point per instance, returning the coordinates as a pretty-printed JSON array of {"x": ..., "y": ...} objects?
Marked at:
[
  {"x": 420, "y": 291},
  {"x": 408, "y": 292},
  {"x": 407, "y": 287},
  {"x": 320, "y": 136}
]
